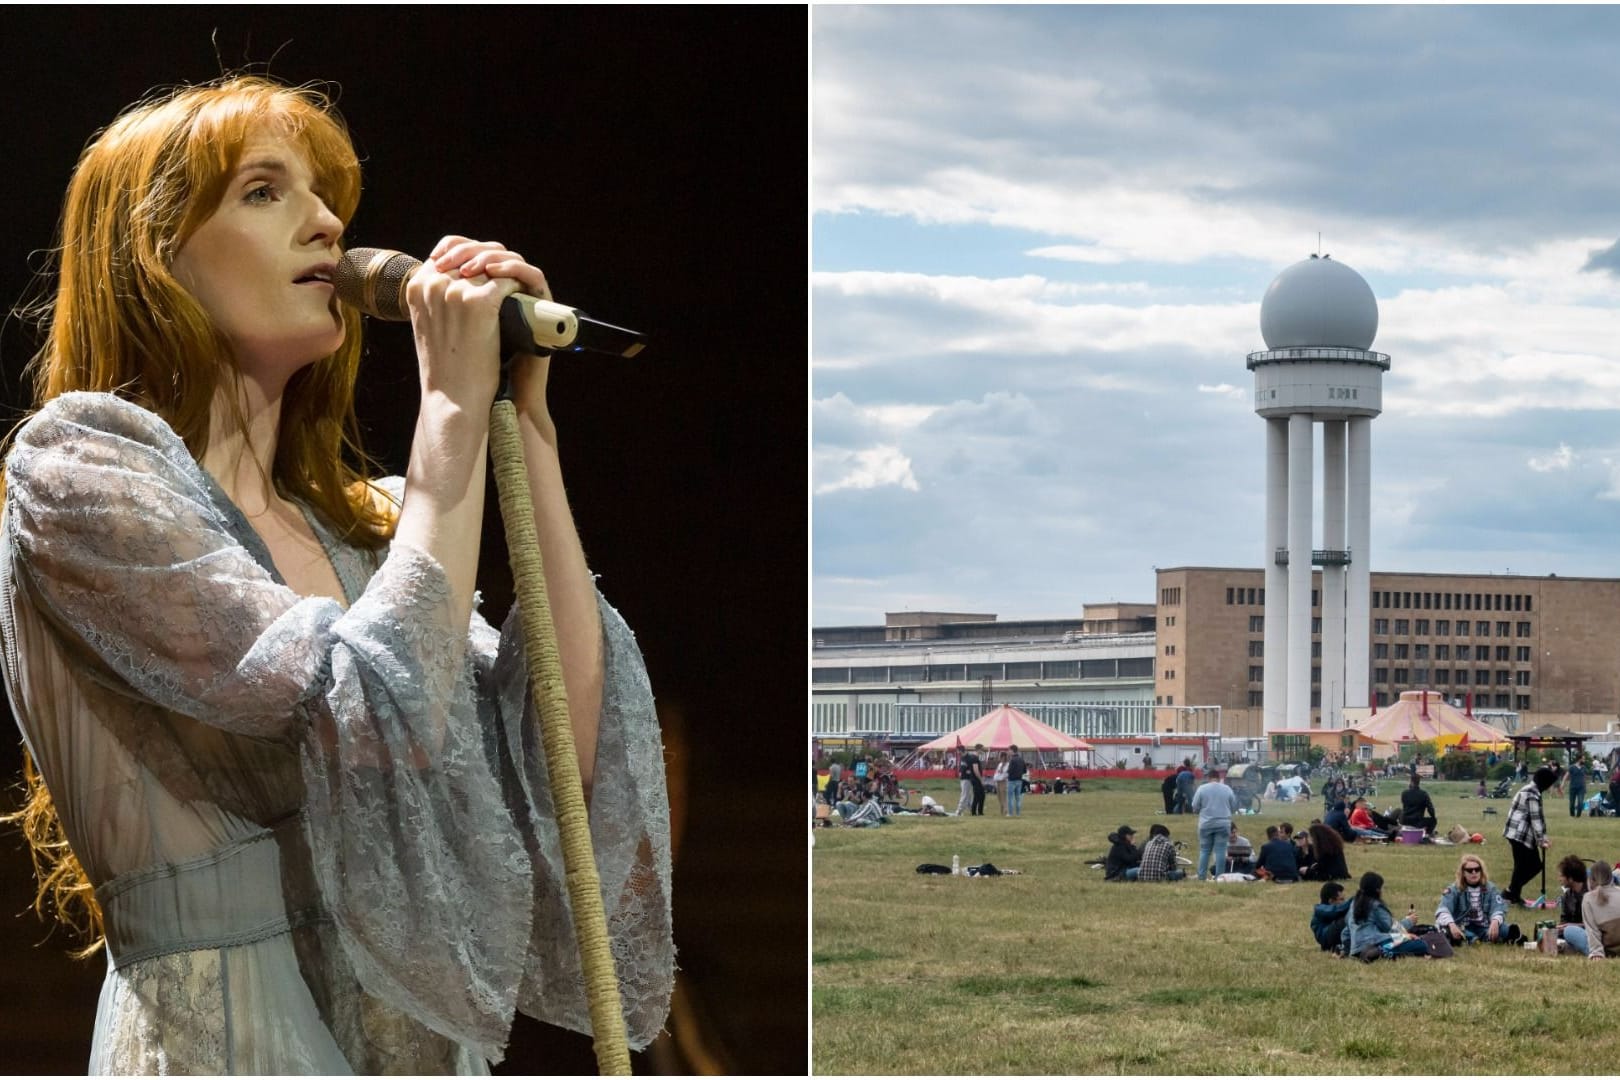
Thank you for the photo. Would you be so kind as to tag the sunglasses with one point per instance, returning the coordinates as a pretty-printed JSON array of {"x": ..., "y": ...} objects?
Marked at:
[{"x": 1473, "y": 870}]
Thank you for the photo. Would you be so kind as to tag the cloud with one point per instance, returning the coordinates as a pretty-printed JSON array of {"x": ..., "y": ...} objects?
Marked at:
[
  {"x": 1608, "y": 260},
  {"x": 1559, "y": 460},
  {"x": 862, "y": 470},
  {"x": 1236, "y": 393}
]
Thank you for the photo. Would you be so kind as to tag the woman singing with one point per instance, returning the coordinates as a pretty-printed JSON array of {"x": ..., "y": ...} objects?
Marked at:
[{"x": 298, "y": 773}]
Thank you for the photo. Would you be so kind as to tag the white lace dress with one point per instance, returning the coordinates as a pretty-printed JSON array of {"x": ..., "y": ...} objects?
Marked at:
[{"x": 321, "y": 835}]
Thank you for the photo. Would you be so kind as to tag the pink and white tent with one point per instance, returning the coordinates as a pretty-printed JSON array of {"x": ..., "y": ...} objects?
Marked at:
[
  {"x": 1423, "y": 715},
  {"x": 1006, "y": 726}
]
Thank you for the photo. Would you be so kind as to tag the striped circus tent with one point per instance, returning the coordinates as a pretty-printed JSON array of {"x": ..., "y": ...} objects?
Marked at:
[
  {"x": 1004, "y": 727},
  {"x": 1423, "y": 715}
]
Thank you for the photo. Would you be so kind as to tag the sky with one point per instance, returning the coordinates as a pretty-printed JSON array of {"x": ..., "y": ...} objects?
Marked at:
[{"x": 1039, "y": 241}]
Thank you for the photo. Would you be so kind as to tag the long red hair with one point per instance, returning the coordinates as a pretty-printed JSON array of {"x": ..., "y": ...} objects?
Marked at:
[{"x": 119, "y": 322}]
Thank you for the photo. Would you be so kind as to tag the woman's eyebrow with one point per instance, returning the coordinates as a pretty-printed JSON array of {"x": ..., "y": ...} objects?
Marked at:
[{"x": 270, "y": 165}]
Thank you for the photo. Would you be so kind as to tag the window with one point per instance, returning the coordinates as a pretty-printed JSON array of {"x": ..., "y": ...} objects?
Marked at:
[
  {"x": 1522, "y": 703},
  {"x": 1381, "y": 626},
  {"x": 1522, "y": 654},
  {"x": 1316, "y": 626},
  {"x": 953, "y": 672},
  {"x": 1257, "y": 649},
  {"x": 1027, "y": 670},
  {"x": 1169, "y": 650},
  {"x": 876, "y": 674},
  {"x": 1257, "y": 624},
  {"x": 829, "y": 675},
  {"x": 1136, "y": 667},
  {"x": 1482, "y": 678},
  {"x": 1380, "y": 651},
  {"x": 1442, "y": 628},
  {"x": 1316, "y": 675},
  {"x": 1250, "y": 593},
  {"x": 1377, "y": 599},
  {"x": 1524, "y": 629},
  {"x": 1170, "y": 597},
  {"x": 1170, "y": 674},
  {"x": 1401, "y": 651},
  {"x": 1462, "y": 627},
  {"x": 1402, "y": 626},
  {"x": 1503, "y": 629},
  {"x": 1442, "y": 652},
  {"x": 1482, "y": 629},
  {"x": 1229, "y": 593},
  {"x": 1502, "y": 677},
  {"x": 914, "y": 674},
  {"x": 1420, "y": 652},
  {"x": 1099, "y": 669},
  {"x": 1381, "y": 675},
  {"x": 1257, "y": 674},
  {"x": 1256, "y": 699},
  {"x": 1518, "y": 602},
  {"x": 1315, "y": 599},
  {"x": 1421, "y": 626},
  {"x": 1501, "y": 652},
  {"x": 1527, "y": 608},
  {"x": 1062, "y": 669},
  {"x": 1400, "y": 676},
  {"x": 1316, "y": 650},
  {"x": 1366, "y": 751},
  {"x": 1462, "y": 678},
  {"x": 1442, "y": 677},
  {"x": 1521, "y": 678},
  {"x": 1316, "y": 698},
  {"x": 1420, "y": 676},
  {"x": 1170, "y": 699}
]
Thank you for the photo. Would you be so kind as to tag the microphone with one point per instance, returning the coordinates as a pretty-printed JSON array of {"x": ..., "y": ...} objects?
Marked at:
[{"x": 373, "y": 280}]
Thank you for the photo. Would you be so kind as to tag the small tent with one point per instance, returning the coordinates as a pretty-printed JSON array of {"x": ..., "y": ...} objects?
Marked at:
[{"x": 1004, "y": 727}]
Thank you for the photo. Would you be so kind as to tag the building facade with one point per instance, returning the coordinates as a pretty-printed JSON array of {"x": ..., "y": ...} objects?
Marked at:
[{"x": 1546, "y": 648}]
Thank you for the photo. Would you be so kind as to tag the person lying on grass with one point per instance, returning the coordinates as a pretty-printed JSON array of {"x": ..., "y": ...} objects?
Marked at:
[{"x": 1473, "y": 909}]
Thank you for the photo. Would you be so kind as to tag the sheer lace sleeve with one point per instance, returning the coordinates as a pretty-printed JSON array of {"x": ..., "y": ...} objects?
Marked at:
[
  {"x": 629, "y": 815},
  {"x": 414, "y": 851}
]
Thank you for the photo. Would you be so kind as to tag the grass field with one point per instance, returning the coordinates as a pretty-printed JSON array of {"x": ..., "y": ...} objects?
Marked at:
[{"x": 1057, "y": 971}]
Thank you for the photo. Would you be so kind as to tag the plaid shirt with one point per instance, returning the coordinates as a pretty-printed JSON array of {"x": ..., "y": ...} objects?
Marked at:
[
  {"x": 1525, "y": 823},
  {"x": 1158, "y": 856}
]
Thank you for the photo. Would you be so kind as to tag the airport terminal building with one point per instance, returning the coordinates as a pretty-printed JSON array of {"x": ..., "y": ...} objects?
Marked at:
[{"x": 1521, "y": 650}]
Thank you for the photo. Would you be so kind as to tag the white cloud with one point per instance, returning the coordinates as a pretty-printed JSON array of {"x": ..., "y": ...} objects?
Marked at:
[
  {"x": 1236, "y": 393},
  {"x": 1559, "y": 460},
  {"x": 862, "y": 470}
]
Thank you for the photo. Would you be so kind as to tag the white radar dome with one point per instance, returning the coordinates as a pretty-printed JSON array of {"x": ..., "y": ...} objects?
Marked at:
[{"x": 1319, "y": 302}]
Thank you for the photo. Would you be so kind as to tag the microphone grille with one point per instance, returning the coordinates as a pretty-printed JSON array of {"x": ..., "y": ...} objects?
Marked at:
[{"x": 373, "y": 280}]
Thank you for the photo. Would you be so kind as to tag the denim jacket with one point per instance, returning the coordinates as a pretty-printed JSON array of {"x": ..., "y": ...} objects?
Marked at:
[
  {"x": 1376, "y": 930},
  {"x": 1454, "y": 905}
]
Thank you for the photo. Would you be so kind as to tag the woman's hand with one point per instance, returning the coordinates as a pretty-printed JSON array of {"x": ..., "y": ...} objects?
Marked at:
[{"x": 455, "y": 299}]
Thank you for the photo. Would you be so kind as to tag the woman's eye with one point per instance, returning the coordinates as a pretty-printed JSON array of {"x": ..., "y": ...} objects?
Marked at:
[{"x": 262, "y": 194}]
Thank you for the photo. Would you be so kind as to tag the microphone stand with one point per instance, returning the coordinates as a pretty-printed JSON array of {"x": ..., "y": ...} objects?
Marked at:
[{"x": 556, "y": 733}]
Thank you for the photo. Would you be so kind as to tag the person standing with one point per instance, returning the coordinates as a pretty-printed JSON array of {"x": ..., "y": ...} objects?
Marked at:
[
  {"x": 1186, "y": 781},
  {"x": 1526, "y": 832},
  {"x": 1016, "y": 771},
  {"x": 1214, "y": 803},
  {"x": 976, "y": 777},
  {"x": 998, "y": 782},
  {"x": 1577, "y": 788},
  {"x": 964, "y": 772}
]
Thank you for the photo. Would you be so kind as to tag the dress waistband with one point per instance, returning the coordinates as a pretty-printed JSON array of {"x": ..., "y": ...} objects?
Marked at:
[{"x": 230, "y": 896}]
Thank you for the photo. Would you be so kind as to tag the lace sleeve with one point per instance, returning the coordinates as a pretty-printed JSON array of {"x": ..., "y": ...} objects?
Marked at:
[{"x": 629, "y": 815}]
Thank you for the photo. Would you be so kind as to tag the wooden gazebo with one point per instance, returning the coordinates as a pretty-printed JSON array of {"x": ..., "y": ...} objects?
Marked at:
[{"x": 1548, "y": 735}]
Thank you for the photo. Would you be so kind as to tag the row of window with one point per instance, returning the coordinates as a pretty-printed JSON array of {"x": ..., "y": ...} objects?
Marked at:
[
  {"x": 1130, "y": 667},
  {"x": 1520, "y": 702},
  {"x": 1448, "y": 628},
  {"x": 1452, "y": 601},
  {"x": 1442, "y": 677},
  {"x": 1421, "y": 651},
  {"x": 1171, "y": 597}
]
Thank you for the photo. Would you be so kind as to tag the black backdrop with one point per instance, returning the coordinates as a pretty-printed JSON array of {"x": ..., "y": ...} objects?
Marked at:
[{"x": 653, "y": 163}]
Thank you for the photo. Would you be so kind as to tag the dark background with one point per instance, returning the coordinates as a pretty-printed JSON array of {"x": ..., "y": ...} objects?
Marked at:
[{"x": 653, "y": 162}]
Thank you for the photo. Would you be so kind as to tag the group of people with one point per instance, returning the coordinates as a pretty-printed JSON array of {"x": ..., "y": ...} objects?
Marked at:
[
  {"x": 1471, "y": 910},
  {"x": 1009, "y": 781}
]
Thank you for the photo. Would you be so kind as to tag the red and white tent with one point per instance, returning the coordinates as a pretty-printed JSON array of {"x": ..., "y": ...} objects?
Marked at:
[
  {"x": 1004, "y": 727},
  {"x": 1424, "y": 715}
]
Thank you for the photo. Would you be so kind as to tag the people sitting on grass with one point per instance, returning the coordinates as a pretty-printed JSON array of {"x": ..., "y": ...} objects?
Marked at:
[
  {"x": 1327, "y": 848},
  {"x": 1328, "y": 917},
  {"x": 862, "y": 811},
  {"x": 1338, "y": 819},
  {"x": 1472, "y": 908},
  {"x": 1276, "y": 860},
  {"x": 1372, "y": 928},
  {"x": 1304, "y": 849},
  {"x": 1600, "y": 912},
  {"x": 1571, "y": 930},
  {"x": 1239, "y": 853},
  {"x": 1363, "y": 825},
  {"x": 1159, "y": 857},
  {"x": 1417, "y": 808},
  {"x": 1124, "y": 857}
]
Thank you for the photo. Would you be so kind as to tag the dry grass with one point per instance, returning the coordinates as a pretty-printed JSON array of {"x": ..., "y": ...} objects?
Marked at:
[{"x": 1056, "y": 971}]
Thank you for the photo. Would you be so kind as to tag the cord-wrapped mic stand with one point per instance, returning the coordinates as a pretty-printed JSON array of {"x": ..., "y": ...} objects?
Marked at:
[{"x": 557, "y": 735}]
